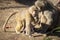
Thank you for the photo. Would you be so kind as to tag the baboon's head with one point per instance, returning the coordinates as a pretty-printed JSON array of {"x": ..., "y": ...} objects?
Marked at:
[{"x": 40, "y": 3}]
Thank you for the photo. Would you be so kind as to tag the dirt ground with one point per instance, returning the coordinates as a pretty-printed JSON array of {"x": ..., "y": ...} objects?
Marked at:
[{"x": 5, "y": 12}]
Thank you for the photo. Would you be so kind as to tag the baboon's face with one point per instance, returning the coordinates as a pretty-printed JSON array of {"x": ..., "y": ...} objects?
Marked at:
[{"x": 33, "y": 11}]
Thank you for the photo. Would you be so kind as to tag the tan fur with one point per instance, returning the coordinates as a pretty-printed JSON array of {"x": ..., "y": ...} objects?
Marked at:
[{"x": 25, "y": 15}]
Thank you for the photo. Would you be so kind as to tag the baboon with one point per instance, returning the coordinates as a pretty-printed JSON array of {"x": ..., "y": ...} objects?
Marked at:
[
  {"x": 24, "y": 19},
  {"x": 27, "y": 17}
]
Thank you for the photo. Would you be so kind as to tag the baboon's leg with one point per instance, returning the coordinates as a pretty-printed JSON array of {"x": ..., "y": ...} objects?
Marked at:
[
  {"x": 19, "y": 25},
  {"x": 28, "y": 22}
]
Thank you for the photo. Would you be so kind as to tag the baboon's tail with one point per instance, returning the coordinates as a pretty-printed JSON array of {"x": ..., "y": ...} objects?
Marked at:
[{"x": 4, "y": 26}]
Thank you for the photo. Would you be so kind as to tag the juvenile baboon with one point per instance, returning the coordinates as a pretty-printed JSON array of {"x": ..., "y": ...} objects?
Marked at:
[
  {"x": 28, "y": 17},
  {"x": 24, "y": 19}
]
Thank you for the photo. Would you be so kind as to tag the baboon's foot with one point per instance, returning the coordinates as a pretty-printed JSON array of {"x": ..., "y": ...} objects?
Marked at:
[{"x": 18, "y": 32}]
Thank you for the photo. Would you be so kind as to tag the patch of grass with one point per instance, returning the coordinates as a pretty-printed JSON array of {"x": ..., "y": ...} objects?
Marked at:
[
  {"x": 57, "y": 29},
  {"x": 47, "y": 38}
]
